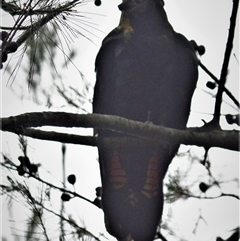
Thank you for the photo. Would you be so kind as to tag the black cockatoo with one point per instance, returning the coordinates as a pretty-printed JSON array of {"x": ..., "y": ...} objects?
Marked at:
[{"x": 145, "y": 72}]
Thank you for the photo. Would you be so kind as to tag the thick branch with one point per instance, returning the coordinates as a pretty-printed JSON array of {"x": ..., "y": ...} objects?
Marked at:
[{"x": 197, "y": 136}]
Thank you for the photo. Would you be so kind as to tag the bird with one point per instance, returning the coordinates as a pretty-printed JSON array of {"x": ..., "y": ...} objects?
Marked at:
[{"x": 146, "y": 72}]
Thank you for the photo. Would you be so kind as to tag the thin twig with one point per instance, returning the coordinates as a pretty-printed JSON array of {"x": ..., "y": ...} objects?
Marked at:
[
  {"x": 230, "y": 95},
  {"x": 227, "y": 55}
]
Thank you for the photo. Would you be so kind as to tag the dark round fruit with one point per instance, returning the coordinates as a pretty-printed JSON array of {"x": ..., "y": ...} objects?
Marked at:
[
  {"x": 98, "y": 191},
  {"x": 65, "y": 197},
  {"x": 3, "y": 35},
  {"x": 97, "y": 2},
  {"x": 201, "y": 50},
  {"x": 233, "y": 119},
  {"x": 211, "y": 85},
  {"x": 72, "y": 179},
  {"x": 203, "y": 187},
  {"x": 229, "y": 119}
]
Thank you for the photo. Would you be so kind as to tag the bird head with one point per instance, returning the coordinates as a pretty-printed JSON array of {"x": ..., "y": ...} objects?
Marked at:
[
  {"x": 142, "y": 16},
  {"x": 129, "y": 5}
]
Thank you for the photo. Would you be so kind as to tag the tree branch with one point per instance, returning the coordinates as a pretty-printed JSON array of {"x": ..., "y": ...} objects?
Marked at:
[
  {"x": 48, "y": 12},
  {"x": 228, "y": 93},
  {"x": 227, "y": 54},
  {"x": 149, "y": 132},
  {"x": 214, "y": 197}
]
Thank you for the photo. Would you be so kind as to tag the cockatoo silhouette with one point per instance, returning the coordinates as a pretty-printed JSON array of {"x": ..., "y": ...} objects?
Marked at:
[{"x": 145, "y": 72}]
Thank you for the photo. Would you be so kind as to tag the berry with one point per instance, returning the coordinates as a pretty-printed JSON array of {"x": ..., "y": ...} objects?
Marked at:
[
  {"x": 203, "y": 187},
  {"x": 201, "y": 50},
  {"x": 65, "y": 197},
  {"x": 211, "y": 85},
  {"x": 97, "y": 2},
  {"x": 71, "y": 179},
  {"x": 98, "y": 191},
  {"x": 233, "y": 119}
]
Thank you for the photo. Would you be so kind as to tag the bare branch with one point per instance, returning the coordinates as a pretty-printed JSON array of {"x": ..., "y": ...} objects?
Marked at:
[
  {"x": 228, "y": 93},
  {"x": 224, "y": 70},
  {"x": 192, "y": 136},
  {"x": 215, "y": 197}
]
